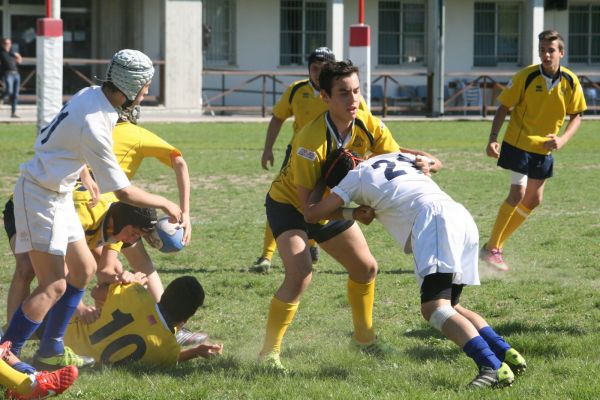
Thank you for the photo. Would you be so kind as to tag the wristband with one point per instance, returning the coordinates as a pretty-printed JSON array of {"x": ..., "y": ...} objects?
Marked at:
[{"x": 347, "y": 213}]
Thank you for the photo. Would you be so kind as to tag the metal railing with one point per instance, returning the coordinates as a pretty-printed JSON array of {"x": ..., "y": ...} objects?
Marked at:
[{"x": 465, "y": 92}]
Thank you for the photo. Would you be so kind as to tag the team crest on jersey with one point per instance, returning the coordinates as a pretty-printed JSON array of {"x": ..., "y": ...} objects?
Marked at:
[
  {"x": 305, "y": 153},
  {"x": 358, "y": 142},
  {"x": 305, "y": 95},
  {"x": 538, "y": 88},
  {"x": 151, "y": 320}
]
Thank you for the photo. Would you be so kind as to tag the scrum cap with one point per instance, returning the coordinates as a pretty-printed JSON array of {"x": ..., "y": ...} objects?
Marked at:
[
  {"x": 130, "y": 71},
  {"x": 321, "y": 54}
]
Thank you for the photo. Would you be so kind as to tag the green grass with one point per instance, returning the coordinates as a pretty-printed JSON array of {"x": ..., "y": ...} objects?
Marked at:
[{"x": 547, "y": 306}]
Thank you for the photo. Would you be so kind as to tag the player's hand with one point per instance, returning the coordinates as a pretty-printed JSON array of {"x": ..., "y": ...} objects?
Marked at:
[
  {"x": 493, "y": 149},
  {"x": 554, "y": 142},
  {"x": 364, "y": 214},
  {"x": 173, "y": 211},
  {"x": 267, "y": 157},
  {"x": 186, "y": 225},
  {"x": 423, "y": 164},
  {"x": 87, "y": 314},
  {"x": 209, "y": 350}
]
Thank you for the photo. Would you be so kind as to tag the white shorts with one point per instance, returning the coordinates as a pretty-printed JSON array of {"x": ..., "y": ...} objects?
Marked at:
[
  {"x": 46, "y": 221},
  {"x": 517, "y": 178},
  {"x": 445, "y": 239}
]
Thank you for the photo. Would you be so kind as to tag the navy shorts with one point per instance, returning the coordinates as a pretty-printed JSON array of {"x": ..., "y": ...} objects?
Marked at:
[
  {"x": 284, "y": 217},
  {"x": 439, "y": 286},
  {"x": 535, "y": 166},
  {"x": 9, "y": 219}
]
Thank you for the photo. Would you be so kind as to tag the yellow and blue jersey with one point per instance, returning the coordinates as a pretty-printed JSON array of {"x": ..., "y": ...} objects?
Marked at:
[
  {"x": 539, "y": 106},
  {"x": 130, "y": 328},
  {"x": 311, "y": 146}
]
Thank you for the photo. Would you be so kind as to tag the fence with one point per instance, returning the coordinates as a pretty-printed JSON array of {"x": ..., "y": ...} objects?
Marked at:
[{"x": 390, "y": 93}]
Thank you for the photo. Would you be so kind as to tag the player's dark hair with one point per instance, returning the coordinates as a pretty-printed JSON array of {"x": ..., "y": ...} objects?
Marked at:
[
  {"x": 333, "y": 71},
  {"x": 337, "y": 165},
  {"x": 113, "y": 88},
  {"x": 181, "y": 299},
  {"x": 551, "y": 35},
  {"x": 124, "y": 214}
]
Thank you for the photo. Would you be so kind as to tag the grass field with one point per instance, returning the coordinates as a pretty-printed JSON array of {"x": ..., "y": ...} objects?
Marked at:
[{"x": 547, "y": 306}]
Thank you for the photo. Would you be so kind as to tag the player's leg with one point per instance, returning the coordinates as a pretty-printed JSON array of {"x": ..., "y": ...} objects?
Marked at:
[
  {"x": 289, "y": 230},
  {"x": 294, "y": 253},
  {"x": 49, "y": 270},
  {"x": 437, "y": 296},
  {"x": 534, "y": 194},
  {"x": 20, "y": 284},
  {"x": 263, "y": 263},
  {"x": 499, "y": 346},
  {"x": 349, "y": 247},
  {"x": 19, "y": 288},
  {"x": 81, "y": 268}
]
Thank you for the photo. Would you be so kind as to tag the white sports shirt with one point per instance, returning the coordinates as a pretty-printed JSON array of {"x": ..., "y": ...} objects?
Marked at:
[
  {"x": 394, "y": 187},
  {"x": 81, "y": 133}
]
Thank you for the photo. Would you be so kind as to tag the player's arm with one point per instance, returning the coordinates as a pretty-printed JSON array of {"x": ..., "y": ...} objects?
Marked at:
[
  {"x": 202, "y": 350},
  {"x": 183, "y": 184},
  {"x": 109, "y": 267},
  {"x": 555, "y": 142},
  {"x": 140, "y": 261},
  {"x": 493, "y": 147},
  {"x": 91, "y": 185},
  {"x": 426, "y": 163},
  {"x": 327, "y": 208},
  {"x": 272, "y": 132},
  {"x": 140, "y": 198}
]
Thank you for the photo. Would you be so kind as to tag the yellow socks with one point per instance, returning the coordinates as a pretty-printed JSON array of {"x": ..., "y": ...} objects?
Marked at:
[
  {"x": 280, "y": 316},
  {"x": 362, "y": 297},
  {"x": 269, "y": 244},
  {"x": 505, "y": 212},
  {"x": 14, "y": 380},
  {"x": 519, "y": 216}
]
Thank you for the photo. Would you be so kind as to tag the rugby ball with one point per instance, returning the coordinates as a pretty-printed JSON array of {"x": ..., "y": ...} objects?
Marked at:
[{"x": 166, "y": 237}]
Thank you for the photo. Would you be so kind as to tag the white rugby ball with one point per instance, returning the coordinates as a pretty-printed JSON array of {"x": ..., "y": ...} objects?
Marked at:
[{"x": 167, "y": 237}]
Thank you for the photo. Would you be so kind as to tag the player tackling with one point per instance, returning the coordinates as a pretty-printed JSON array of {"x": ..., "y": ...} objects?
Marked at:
[{"x": 441, "y": 235}]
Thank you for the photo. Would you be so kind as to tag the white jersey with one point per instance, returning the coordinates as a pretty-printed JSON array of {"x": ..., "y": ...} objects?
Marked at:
[
  {"x": 81, "y": 133},
  {"x": 394, "y": 187}
]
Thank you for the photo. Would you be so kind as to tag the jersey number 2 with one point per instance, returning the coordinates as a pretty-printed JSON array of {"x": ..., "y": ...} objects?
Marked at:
[
  {"x": 120, "y": 320},
  {"x": 389, "y": 172}
]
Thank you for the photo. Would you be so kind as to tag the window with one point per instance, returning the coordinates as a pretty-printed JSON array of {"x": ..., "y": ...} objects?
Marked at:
[
  {"x": 401, "y": 32},
  {"x": 584, "y": 34},
  {"x": 303, "y": 29},
  {"x": 218, "y": 42},
  {"x": 496, "y": 34}
]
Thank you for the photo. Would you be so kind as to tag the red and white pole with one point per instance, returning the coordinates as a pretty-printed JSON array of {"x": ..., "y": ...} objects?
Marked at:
[
  {"x": 49, "y": 62},
  {"x": 360, "y": 51}
]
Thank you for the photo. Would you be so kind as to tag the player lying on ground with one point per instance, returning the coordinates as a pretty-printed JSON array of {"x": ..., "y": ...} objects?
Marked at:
[
  {"x": 109, "y": 227},
  {"x": 133, "y": 327},
  {"x": 442, "y": 237},
  {"x": 32, "y": 384}
]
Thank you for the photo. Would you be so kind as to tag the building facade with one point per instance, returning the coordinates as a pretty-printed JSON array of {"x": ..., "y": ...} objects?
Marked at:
[{"x": 413, "y": 42}]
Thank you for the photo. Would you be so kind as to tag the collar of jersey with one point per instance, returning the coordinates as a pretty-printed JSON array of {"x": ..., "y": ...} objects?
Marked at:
[
  {"x": 548, "y": 79},
  {"x": 335, "y": 135}
]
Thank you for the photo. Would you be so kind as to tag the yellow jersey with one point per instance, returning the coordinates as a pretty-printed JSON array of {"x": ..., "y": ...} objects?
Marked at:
[
  {"x": 310, "y": 148},
  {"x": 539, "y": 106},
  {"x": 93, "y": 220},
  {"x": 130, "y": 328}
]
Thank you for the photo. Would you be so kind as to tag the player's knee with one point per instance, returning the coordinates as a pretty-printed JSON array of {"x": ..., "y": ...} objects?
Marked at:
[
  {"x": 56, "y": 289},
  {"x": 439, "y": 316}
]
